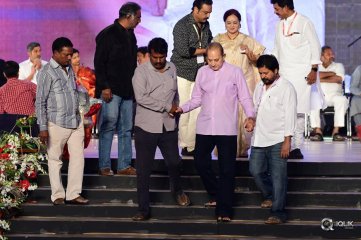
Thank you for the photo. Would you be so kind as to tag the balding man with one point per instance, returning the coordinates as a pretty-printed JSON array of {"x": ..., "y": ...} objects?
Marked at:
[{"x": 218, "y": 90}]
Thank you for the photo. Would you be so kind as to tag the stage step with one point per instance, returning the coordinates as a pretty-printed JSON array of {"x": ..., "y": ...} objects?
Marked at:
[
  {"x": 316, "y": 191},
  {"x": 86, "y": 226}
]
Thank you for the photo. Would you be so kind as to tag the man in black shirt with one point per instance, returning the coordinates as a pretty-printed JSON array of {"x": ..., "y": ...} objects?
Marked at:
[{"x": 115, "y": 61}]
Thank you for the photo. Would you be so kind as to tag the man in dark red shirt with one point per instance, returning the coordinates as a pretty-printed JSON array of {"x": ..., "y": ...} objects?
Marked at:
[{"x": 16, "y": 96}]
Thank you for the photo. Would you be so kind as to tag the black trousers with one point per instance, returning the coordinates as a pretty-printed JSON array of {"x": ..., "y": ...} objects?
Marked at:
[
  {"x": 146, "y": 144},
  {"x": 221, "y": 189}
]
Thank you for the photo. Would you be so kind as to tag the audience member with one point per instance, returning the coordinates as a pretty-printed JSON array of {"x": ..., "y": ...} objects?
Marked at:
[
  {"x": 142, "y": 55},
  {"x": 332, "y": 75},
  {"x": 219, "y": 88},
  {"x": 2, "y": 77},
  {"x": 191, "y": 36},
  {"x": 297, "y": 49},
  {"x": 355, "y": 108},
  {"x": 57, "y": 109},
  {"x": 115, "y": 61},
  {"x": 242, "y": 51},
  {"x": 156, "y": 94},
  {"x": 29, "y": 68},
  {"x": 16, "y": 96},
  {"x": 275, "y": 100}
]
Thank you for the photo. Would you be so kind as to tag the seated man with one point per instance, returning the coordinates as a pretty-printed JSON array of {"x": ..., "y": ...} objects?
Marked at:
[
  {"x": 17, "y": 98},
  {"x": 30, "y": 68},
  {"x": 331, "y": 78},
  {"x": 142, "y": 55}
]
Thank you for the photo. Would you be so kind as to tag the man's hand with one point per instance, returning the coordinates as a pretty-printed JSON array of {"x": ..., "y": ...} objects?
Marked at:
[
  {"x": 249, "y": 124},
  {"x": 107, "y": 95},
  {"x": 172, "y": 112},
  {"x": 179, "y": 110},
  {"x": 286, "y": 147},
  {"x": 44, "y": 136},
  {"x": 311, "y": 77}
]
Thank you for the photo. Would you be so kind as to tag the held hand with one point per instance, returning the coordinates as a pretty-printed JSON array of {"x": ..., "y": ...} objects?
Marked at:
[
  {"x": 179, "y": 110},
  {"x": 285, "y": 149},
  {"x": 107, "y": 95},
  {"x": 249, "y": 124},
  {"x": 172, "y": 111},
  {"x": 44, "y": 136},
  {"x": 311, "y": 77}
]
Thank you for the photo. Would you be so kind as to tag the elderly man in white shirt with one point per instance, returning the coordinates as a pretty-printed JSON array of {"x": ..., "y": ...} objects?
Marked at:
[
  {"x": 275, "y": 101},
  {"x": 332, "y": 75},
  {"x": 298, "y": 51},
  {"x": 29, "y": 68}
]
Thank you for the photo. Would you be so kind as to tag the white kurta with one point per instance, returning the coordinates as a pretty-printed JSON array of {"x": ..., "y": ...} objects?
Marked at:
[{"x": 297, "y": 48}]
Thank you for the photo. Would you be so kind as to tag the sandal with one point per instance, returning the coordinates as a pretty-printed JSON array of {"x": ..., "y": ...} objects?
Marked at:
[
  {"x": 337, "y": 138},
  {"x": 273, "y": 220},
  {"x": 223, "y": 219},
  {"x": 211, "y": 204},
  {"x": 317, "y": 137},
  {"x": 266, "y": 203}
]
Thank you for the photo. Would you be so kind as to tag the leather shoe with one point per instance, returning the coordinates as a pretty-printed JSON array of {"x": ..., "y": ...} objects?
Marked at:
[
  {"x": 140, "y": 217},
  {"x": 127, "y": 171},
  {"x": 79, "y": 200},
  {"x": 106, "y": 172},
  {"x": 59, "y": 201}
]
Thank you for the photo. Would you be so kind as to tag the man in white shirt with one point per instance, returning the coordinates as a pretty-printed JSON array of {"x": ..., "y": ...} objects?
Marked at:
[
  {"x": 275, "y": 102},
  {"x": 332, "y": 75},
  {"x": 30, "y": 68},
  {"x": 298, "y": 51}
]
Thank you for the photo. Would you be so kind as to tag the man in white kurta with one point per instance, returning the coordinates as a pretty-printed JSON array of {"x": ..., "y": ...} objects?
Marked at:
[
  {"x": 29, "y": 68},
  {"x": 297, "y": 49},
  {"x": 332, "y": 75}
]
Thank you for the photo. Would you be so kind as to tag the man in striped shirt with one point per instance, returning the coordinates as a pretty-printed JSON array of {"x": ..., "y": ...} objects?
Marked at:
[{"x": 60, "y": 122}]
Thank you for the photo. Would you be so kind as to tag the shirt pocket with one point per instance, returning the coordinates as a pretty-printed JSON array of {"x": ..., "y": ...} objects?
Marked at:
[{"x": 297, "y": 40}]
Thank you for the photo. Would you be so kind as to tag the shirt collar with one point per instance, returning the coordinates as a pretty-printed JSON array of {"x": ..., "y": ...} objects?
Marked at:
[
  {"x": 150, "y": 66},
  {"x": 290, "y": 18},
  {"x": 55, "y": 64}
]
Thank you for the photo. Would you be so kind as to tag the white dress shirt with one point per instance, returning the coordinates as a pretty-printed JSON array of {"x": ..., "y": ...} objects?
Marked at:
[
  {"x": 333, "y": 88},
  {"x": 25, "y": 70},
  {"x": 275, "y": 113}
]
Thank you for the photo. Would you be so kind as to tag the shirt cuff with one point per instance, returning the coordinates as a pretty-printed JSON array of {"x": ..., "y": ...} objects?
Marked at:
[{"x": 43, "y": 128}]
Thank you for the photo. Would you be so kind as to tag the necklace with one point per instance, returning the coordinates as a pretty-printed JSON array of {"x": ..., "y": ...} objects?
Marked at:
[{"x": 233, "y": 37}]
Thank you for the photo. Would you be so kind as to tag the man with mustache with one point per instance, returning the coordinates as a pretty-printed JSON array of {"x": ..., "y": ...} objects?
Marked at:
[
  {"x": 29, "y": 68},
  {"x": 57, "y": 110},
  {"x": 297, "y": 49},
  {"x": 275, "y": 102},
  {"x": 191, "y": 37},
  {"x": 155, "y": 89},
  {"x": 332, "y": 75}
]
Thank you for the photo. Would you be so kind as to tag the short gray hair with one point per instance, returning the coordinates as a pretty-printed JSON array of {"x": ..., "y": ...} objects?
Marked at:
[{"x": 32, "y": 45}]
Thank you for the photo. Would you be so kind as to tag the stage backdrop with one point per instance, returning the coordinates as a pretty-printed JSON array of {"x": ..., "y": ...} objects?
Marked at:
[{"x": 23, "y": 21}]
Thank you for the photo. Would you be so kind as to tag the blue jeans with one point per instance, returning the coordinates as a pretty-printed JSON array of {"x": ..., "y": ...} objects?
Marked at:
[
  {"x": 270, "y": 173},
  {"x": 117, "y": 114}
]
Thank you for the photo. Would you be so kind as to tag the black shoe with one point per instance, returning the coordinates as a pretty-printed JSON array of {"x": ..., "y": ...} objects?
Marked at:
[
  {"x": 295, "y": 154},
  {"x": 185, "y": 152}
]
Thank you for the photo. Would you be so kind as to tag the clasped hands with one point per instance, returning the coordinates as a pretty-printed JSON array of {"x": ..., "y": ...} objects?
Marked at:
[{"x": 249, "y": 124}]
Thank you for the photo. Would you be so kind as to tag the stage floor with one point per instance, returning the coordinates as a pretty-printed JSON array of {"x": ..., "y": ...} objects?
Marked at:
[{"x": 326, "y": 151}]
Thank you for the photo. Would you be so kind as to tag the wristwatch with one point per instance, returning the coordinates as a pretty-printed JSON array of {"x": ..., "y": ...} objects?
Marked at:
[{"x": 314, "y": 69}]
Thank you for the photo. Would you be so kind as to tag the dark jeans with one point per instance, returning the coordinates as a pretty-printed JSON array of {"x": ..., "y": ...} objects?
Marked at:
[
  {"x": 221, "y": 189},
  {"x": 146, "y": 144},
  {"x": 270, "y": 173}
]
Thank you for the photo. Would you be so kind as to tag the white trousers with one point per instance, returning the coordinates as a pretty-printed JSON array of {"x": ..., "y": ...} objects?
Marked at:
[
  {"x": 298, "y": 138},
  {"x": 58, "y": 137},
  {"x": 340, "y": 103},
  {"x": 187, "y": 121}
]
